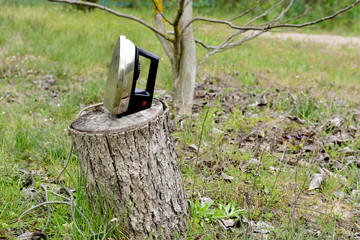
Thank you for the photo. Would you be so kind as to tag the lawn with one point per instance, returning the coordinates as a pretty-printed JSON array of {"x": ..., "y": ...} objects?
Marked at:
[{"x": 272, "y": 116}]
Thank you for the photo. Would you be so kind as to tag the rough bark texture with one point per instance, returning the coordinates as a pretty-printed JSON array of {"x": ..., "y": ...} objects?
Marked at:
[
  {"x": 185, "y": 72},
  {"x": 132, "y": 158}
]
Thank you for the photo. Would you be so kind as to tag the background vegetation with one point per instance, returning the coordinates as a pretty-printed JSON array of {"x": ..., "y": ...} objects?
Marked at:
[{"x": 54, "y": 60}]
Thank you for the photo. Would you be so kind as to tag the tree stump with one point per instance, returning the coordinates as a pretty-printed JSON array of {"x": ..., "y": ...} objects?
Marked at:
[{"x": 133, "y": 158}]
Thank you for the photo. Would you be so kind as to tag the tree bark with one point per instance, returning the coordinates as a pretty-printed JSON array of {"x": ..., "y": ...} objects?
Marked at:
[
  {"x": 132, "y": 160},
  {"x": 184, "y": 71}
]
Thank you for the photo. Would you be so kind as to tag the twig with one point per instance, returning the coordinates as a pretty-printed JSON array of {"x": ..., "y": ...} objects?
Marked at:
[
  {"x": 265, "y": 13},
  {"x": 161, "y": 13},
  {"x": 235, "y": 26},
  {"x": 136, "y": 19},
  {"x": 246, "y": 12},
  {"x": 225, "y": 45},
  {"x": 318, "y": 20},
  {"x": 297, "y": 17},
  {"x": 204, "y": 45},
  {"x": 282, "y": 14},
  {"x": 257, "y": 28}
]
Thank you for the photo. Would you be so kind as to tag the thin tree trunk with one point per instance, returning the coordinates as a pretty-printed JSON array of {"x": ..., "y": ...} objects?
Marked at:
[
  {"x": 132, "y": 161},
  {"x": 185, "y": 71}
]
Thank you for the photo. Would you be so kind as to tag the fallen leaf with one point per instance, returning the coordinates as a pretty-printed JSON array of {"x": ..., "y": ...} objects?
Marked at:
[
  {"x": 204, "y": 200},
  {"x": 356, "y": 115},
  {"x": 310, "y": 148},
  {"x": 316, "y": 181},
  {"x": 339, "y": 138},
  {"x": 227, "y": 224},
  {"x": 254, "y": 135},
  {"x": 263, "y": 227},
  {"x": 248, "y": 165},
  {"x": 226, "y": 177},
  {"x": 37, "y": 235},
  {"x": 193, "y": 147},
  {"x": 217, "y": 131},
  {"x": 200, "y": 237},
  {"x": 296, "y": 119}
]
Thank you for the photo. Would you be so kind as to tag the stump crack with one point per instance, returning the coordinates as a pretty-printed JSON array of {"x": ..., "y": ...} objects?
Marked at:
[
  {"x": 87, "y": 143},
  {"x": 113, "y": 160}
]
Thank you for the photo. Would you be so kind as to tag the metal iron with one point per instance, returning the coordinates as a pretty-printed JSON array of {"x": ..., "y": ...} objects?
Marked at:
[{"x": 121, "y": 95}]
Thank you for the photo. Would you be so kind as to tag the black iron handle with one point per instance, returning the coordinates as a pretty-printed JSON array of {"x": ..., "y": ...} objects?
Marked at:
[{"x": 154, "y": 62}]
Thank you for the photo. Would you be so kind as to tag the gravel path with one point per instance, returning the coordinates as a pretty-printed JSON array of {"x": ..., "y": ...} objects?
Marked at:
[{"x": 330, "y": 40}]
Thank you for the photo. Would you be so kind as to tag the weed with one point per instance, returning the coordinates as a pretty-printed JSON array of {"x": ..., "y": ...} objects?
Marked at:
[{"x": 227, "y": 211}]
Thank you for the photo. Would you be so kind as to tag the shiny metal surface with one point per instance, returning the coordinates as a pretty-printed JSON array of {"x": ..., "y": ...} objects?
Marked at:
[{"x": 120, "y": 77}]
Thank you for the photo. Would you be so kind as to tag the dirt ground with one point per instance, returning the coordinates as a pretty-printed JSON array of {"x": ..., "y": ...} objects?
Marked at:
[{"x": 330, "y": 40}]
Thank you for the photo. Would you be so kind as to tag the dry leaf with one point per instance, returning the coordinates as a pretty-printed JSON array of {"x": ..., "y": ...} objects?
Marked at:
[
  {"x": 204, "y": 200},
  {"x": 226, "y": 177},
  {"x": 356, "y": 115},
  {"x": 296, "y": 119},
  {"x": 316, "y": 181},
  {"x": 227, "y": 224},
  {"x": 37, "y": 235},
  {"x": 193, "y": 147},
  {"x": 263, "y": 227}
]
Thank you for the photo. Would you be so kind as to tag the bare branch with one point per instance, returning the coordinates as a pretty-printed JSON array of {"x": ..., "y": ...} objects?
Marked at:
[
  {"x": 204, "y": 45},
  {"x": 318, "y": 20},
  {"x": 290, "y": 19},
  {"x": 282, "y": 14},
  {"x": 230, "y": 24},
  {"x": 160, "y": 11},
  {"x": 268, "y": 27},
  {"x": 240, "y": 42},
  {"x": 297, "y": 17},
  {"x": 221, "y": 22},
  {"x": 246, "y": 12},
  {"x": 216, "y": 49},
  {"x": 265, "y": 13},
  {"x": 136, "y": 19},
  {"x": 225, "y": 45}
]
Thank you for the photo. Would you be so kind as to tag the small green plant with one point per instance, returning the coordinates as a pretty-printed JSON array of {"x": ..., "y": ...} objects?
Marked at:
[
  {"x": 200, "y": 212},
  {"x": 227, "y": 211},
  {"x": 206, "y": 212},
  {"x": 305, "y": 107}
]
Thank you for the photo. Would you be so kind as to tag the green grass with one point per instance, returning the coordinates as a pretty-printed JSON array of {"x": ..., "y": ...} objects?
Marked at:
[{"x": 38, "y": 39}]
